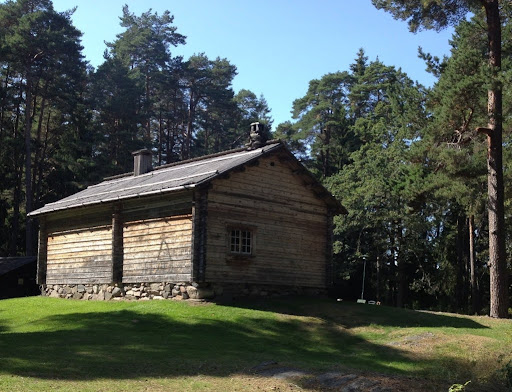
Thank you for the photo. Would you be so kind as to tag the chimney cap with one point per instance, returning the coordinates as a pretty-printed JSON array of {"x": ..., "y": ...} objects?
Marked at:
[{"x": 144, "y": 151}]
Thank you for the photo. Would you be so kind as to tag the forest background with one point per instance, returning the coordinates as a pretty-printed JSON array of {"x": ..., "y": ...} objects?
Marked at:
[{"x": 400, "y": 156}]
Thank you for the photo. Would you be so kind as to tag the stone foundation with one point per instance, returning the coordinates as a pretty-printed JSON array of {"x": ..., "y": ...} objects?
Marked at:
[
  {"x": 175, "y": 291},
  {"x": 128, "y": 291}
]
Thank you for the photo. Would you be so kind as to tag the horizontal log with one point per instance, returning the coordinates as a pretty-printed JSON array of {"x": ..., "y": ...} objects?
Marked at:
[
  {"x": 74, "y": 280},
  {"x": 178, "y": 260},
  {"x": 158, "y": 278},
  {"x": 157, "y": 248},
  {"x": 75, "y": 275},
  {"x": 97, "y": 261},
  {"x": 157, "y": 272},
  {"x": 168, "y": 264},
  {"x": 296, "y": 194},
  {"x": 169, "y": 236}
]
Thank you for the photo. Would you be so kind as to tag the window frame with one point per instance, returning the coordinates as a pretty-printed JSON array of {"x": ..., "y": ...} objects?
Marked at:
[{"x": 233, "y": 255}]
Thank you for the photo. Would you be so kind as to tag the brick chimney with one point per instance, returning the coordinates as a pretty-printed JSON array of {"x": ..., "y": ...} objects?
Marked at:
[{"x": 141, "y": 162}]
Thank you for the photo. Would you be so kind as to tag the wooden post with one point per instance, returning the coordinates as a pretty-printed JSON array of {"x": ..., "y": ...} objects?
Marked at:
[
  {"x": 329, "y": 270},
  {"x": 42, "y": 255},
  {"x": 117, "y": 246},
  {"x": 199, "y": 222}
]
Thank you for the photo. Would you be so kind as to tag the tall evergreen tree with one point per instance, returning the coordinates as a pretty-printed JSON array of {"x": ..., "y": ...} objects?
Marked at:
[
  {"x": 436, "y": 15},
  {"x": 42, "y": 53}
]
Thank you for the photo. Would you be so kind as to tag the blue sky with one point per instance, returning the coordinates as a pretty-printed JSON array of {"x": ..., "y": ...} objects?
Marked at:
[{"x": 278, "y": 46}]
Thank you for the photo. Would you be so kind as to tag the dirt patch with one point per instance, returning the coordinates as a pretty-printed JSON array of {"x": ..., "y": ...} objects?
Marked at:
[{"x": 342, "y": 381}]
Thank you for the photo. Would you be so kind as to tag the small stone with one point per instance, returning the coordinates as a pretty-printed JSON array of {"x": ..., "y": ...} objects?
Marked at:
[
  {"x": 60, "y": 290},
  {"x": 167, "y": 288},
  {"x": 69, "y": 296},
  {"x": 130, "y": 292},
  {"x": 55, "y": 287},
  {"x": 144, "y": 299},
  {"x": 154, "y": 286},
  {"x": 99, "y": 296},
  {"x": 166, "y": 294},
  {"x": 185, "y": 296},
  {"x": 144, "y": 295},
  {"x": 54, "y": 294},
  {"x": 137, "y": 294},
  {"x": 108, "y": 296},
  {"x": 77, "y": 295},
  {"x": 183, "y": 289},
  {"x": 158, "y": 297},
  {"x": 117, "y": 292},
  {"x": 80, "y": 288},
  {"x": 175, "y": 292},
  {"x": 95, "y": 289},
  {"x": 177, "y": 298},
  {"x": 109, "y": 289},
  {"x": 192, "y": 292}
]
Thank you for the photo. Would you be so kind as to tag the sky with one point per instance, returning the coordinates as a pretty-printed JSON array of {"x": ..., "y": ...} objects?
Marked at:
[{"x": 278, "y": 46}]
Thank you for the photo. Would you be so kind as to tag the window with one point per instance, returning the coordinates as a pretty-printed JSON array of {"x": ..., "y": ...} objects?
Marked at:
[{"x": 241, "y": 241}]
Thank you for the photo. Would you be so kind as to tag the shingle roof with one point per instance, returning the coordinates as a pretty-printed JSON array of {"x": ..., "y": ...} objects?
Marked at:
[
  {"x": 174, "y": 177},
  {"x": 169, "y": 178},
  {"x": 8, "y": 264}
]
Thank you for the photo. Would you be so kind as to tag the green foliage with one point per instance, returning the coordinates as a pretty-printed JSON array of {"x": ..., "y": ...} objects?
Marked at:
[
  {"x": 84, "y": 123},
  {"x": 428, "y": 14}
]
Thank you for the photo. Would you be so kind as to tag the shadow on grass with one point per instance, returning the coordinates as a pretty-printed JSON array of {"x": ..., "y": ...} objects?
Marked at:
[
  {"x": 126, "y": 344},
  {"x": 351, "y": 315}
]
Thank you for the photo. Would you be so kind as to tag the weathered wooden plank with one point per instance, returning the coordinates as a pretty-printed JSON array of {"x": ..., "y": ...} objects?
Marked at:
[
  {"x": 76, "y": 280},
  {"x": 155, "y": 249},
  {"x": 160, "y": 264},
  {"x": 83, "y": 253},
  {"x": 183, "y": 235},
  {"x": 158, "y": 278},
  {"x": 90, "y": 261},
  {"x": 279, "y": 191},
  {"x": 239, "y": 205},
  {"x": 42, "y": 255},
  {"x": 171, "y": 258}
]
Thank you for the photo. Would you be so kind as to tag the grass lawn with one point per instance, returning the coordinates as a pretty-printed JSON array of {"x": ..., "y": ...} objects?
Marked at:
[{"x": 51, "y": 344}]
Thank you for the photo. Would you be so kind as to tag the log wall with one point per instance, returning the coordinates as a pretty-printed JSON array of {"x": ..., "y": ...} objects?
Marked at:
[
  {"x": 289, "y": 225},
  {"x": 158, "y": 250},
  {"x": 80, "y": 256},
  {"x": 154, "y": 242}
]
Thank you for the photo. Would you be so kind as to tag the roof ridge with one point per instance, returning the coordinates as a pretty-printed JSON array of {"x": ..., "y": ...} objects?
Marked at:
[
  {"x": 196, "y": 159},
  {"x": 214, "y": 155}
]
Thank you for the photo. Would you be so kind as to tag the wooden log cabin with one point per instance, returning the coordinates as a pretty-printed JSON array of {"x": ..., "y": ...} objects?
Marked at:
[{"x": 246, "y": 221}]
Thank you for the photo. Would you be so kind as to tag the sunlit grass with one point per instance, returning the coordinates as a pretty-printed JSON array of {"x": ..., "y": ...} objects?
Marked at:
[{"x": 55, "y": 344}]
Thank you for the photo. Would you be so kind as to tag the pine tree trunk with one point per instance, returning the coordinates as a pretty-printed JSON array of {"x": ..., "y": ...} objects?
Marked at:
[
  {"x": 29, "y": 233},
  {"x": 497, "y": 256},
  {"x": 474, "y": 290},
  {"x": 459, "y": 288}
]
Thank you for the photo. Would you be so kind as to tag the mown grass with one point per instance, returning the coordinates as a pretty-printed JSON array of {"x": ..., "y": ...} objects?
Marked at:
[{"x": 63, "y": 345}]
